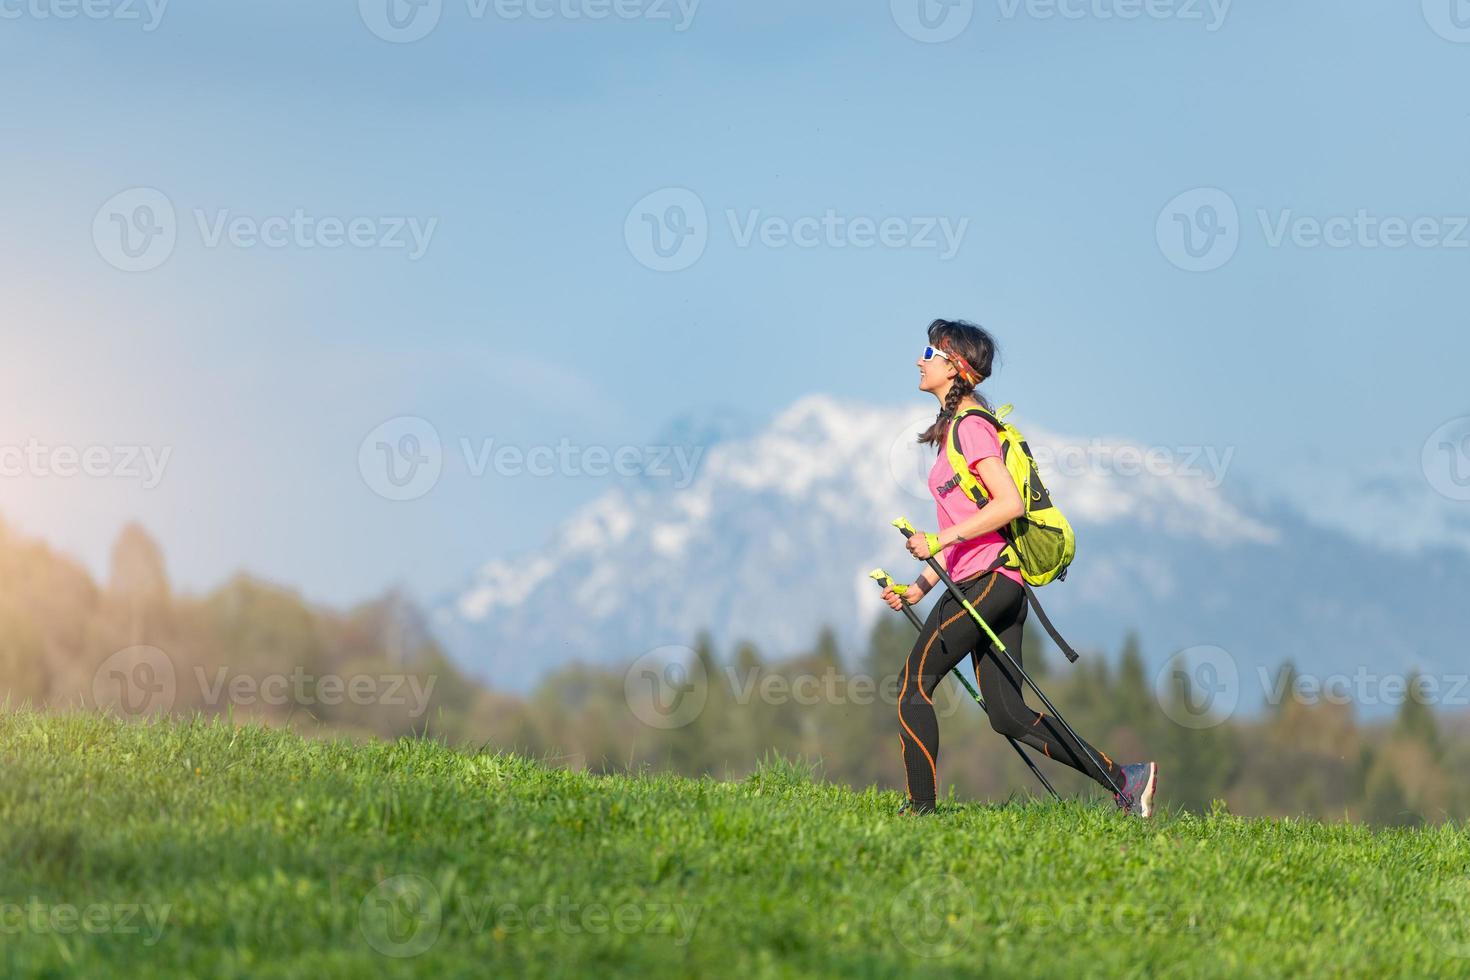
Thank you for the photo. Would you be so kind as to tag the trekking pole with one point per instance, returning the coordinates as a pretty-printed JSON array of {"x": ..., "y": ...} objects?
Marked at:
[
  {"x": 908, "y": 531},
  {"x": 883, "y": 579}
]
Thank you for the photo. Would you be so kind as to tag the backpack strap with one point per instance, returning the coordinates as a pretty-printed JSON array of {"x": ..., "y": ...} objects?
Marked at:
[
  {"x": 964, "y": 479},
  {"x": 1046, "y": 623},
  {"x": 957, "y": 462}
]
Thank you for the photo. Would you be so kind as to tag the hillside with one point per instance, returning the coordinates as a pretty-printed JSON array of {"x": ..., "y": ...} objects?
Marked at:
[{"x": 202, "y": 849}]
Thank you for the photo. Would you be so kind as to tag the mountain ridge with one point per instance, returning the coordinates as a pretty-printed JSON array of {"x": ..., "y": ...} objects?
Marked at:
[{"x": 774, "y": 537}]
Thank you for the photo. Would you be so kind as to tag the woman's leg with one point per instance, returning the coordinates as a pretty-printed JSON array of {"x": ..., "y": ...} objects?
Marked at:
[
  {"x": 947, "y": 638},
  {"x": 1009, "y": 713}
]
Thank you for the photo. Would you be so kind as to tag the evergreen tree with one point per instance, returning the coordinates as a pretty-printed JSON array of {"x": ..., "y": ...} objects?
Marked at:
[{"x": 1416, "y": 719}]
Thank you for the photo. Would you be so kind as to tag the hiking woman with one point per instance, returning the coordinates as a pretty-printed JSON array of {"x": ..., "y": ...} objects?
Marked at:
[{"x": 960, "y": 357}]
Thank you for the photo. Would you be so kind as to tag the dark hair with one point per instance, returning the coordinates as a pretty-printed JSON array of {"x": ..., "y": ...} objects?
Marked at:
[{"x": 974, "y": 344}]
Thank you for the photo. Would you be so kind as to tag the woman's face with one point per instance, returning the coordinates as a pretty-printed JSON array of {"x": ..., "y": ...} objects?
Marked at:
[{"x": 934, "y": 373}]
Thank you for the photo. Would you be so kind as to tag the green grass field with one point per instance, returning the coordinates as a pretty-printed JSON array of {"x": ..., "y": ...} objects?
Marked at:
[{"x": 200, "y": 849}]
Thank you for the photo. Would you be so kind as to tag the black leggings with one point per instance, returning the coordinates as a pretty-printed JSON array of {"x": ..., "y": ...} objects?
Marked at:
[{"x": 948, "y": 637}]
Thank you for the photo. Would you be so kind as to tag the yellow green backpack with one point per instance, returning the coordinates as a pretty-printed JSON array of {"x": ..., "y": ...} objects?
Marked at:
[{"x": 1040, "y": 544}]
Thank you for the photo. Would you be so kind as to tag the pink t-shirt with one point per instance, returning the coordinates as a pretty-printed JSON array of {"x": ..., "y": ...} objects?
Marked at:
[{"x": 978, "y": 442}]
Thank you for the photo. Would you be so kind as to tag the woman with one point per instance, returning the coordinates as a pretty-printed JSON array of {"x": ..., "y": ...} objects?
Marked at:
[{"x": 960, "y": 357}]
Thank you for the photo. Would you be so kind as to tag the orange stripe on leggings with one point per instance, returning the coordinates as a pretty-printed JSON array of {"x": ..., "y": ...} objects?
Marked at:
[
  {"x": 917, "y": 741},
  {"x": 944, "y": 626}
]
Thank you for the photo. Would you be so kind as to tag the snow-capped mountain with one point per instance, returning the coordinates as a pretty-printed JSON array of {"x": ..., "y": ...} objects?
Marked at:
[{"x": 776, "y": 534}]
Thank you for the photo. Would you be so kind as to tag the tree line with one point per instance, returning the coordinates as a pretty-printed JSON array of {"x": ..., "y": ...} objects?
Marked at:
[{"x": 252, "y": 651}]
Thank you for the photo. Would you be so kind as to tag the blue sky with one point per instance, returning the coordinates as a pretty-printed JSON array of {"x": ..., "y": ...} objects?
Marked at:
[{"x": 522, "y": 145}]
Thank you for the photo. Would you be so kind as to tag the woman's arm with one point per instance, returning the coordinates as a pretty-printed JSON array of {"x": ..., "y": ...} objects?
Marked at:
[{"x": 1005, "y": 505}]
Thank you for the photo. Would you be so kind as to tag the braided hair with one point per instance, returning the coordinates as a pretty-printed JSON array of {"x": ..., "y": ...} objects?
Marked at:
[{"x": 977, "y": 346}]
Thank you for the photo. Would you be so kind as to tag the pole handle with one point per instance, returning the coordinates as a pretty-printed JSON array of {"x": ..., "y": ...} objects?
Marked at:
[{"x": 909, "y": 531}]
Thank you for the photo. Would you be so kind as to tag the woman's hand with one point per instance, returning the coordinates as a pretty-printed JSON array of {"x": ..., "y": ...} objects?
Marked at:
[
  {"x": 923, "y": 546},
  {"x": 912, "y": 596}
]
